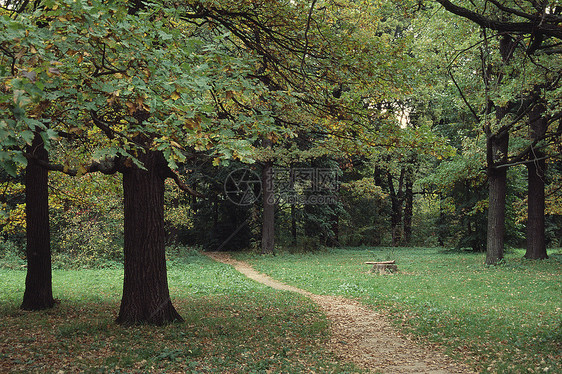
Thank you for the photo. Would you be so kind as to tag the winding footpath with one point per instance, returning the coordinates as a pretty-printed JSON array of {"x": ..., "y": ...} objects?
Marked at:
[{"x": 361, "y": 335}]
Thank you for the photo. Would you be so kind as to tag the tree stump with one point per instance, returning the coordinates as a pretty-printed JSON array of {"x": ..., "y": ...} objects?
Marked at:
[{"x": 383, "y": 267}]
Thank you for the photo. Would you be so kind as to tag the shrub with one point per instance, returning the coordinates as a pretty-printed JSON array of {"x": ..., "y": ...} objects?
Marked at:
[
  {"x": 12, "y": 255},
  {"x": 84, "y": 239}
]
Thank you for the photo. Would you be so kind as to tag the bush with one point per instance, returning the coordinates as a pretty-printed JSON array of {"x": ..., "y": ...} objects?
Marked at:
[
  {"x": 11, "y": 255},
  {"x": 81, "y": 239}
]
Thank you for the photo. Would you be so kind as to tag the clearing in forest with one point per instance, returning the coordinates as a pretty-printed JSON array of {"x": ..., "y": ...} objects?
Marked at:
[{"x": 361, "y": 335}]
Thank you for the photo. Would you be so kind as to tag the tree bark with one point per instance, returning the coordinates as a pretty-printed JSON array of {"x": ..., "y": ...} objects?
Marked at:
[
  {"x": 497, "y": 191},
  {"x": 497, "y": 147},
  {"x": 536, "y": 241},
  {"x": 294, "y": 225},
  {"x": 146, "y": 298},
  {"x": 38, "y": 293},
  {"x": 268, "y": 225},
  {"x": 396, "y": 199},
  {"x": 536, "y": 238},
  {"x": 408, "y": 206},
  {"x": 334, "y": 240}
]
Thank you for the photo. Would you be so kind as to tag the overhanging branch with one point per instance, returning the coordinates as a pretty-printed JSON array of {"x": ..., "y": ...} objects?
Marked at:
[
  {"x": 182, "y": 186},
  {"x": 536, "y": 23},
  {"x": 107, "y": 166}
]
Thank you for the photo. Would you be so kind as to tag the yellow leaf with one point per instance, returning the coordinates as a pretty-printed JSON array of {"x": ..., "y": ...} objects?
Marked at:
[
  {"x": 81, "y": 171},
  {"x": 131, "y": 107},
  {"x": 176, "y": 144},
  {"x": 175, "y": 95}
]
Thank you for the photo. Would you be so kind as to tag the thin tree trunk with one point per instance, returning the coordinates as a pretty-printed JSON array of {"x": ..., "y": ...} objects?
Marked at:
[
  {"x": 294, "y": 224},
  {"x": 497, "y": 191},
  {"x": 396, "y": 198},
  {"x": 38, "y": 282},
  {"x": 268, "y": 225},
  {"x": 440, "y": 224},
  {"x": 146, "y": 297},
  {"x": 334, "y": 240},
  {"x": 408, "y": 207}
]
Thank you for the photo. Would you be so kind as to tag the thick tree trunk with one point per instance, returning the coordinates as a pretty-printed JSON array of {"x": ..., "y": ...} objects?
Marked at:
[
  {"x": 146, "y": 298},
  {"x": 536, "y": 241},
  {"x": 497, "y": 155},
  {"x": 268, "y": 225},
  {"x": 497, "y": 191},
  {"x": 38, "y": 282},
  {"x": 536, "y": 238}
]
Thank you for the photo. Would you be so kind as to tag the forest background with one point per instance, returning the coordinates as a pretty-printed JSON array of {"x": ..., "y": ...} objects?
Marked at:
[
  {"x": 438, "y": 125},
  {"x": 400, "y": 188}
]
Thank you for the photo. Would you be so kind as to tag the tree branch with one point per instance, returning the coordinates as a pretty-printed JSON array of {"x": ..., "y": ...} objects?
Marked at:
[
  {"x": 182, "y": 186},
  {"x": 476, "y": 116},
  {"x": 534, "y": 25},
  {"x": 102, "y": 125},
  {"x": 107, "y": 166},
  {"x": 309, "y": 18}
]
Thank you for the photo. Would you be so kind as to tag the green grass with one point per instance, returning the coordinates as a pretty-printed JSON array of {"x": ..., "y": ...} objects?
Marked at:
[
  {"x": 231, "y": 325},
  {"x": 503, "y": 319}
]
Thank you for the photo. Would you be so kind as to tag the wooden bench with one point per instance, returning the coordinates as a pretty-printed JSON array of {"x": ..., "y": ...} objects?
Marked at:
[{"x": 383, "y": 267}]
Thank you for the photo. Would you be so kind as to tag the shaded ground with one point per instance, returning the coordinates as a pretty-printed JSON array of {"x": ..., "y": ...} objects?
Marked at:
[{"x": 361, "y": 335}]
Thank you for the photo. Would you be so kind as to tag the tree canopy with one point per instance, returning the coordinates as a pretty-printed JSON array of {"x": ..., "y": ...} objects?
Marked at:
[{"x": 417, "y": 106}]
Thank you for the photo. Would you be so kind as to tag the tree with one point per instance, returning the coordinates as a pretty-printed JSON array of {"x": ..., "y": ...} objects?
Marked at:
[
  {"x": 536, "y": 174},
  {"x": 38, "y": 285},
  {"x": 150, "y": 89},
  {"x": 129, "y": 90},
  {"x": 314, "y": 87},
  {"x": 527, "y": 34},
  {"x": 146, "y": 297},
  {"x": 38, "y": 282}
]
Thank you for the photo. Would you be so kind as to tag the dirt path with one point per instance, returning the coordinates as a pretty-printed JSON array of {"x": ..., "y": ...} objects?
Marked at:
[{"x": 361, "y": 335}]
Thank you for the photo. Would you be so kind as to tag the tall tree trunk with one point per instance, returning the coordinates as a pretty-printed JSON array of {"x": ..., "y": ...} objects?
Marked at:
[
  {"x": 497, "y": 191},
  {"x": 38, "y": 282},
  {"x": 396, "y": 199},
  {"x": 146, "y": 298},
  {"x": 536, "y": 241},
  {"x": 268, "y": 224},
  {"x": 497, "y": 155},
  {"x": 441, "y": 223},
  {"x": 334, "y": 240},
  {"x": 536, "y": 238},
  {"x": 294, "y": 224},
  {"x": 408, "y": 206}
]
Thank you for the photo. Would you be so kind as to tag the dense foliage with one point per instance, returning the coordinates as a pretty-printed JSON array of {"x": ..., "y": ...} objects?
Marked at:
[{"x": 91, "y": 78}]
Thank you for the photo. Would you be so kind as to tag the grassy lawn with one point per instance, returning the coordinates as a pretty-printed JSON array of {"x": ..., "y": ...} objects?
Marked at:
[
  {"x": 504, "y": 319},
  {"x": 232, "y": 325}
]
